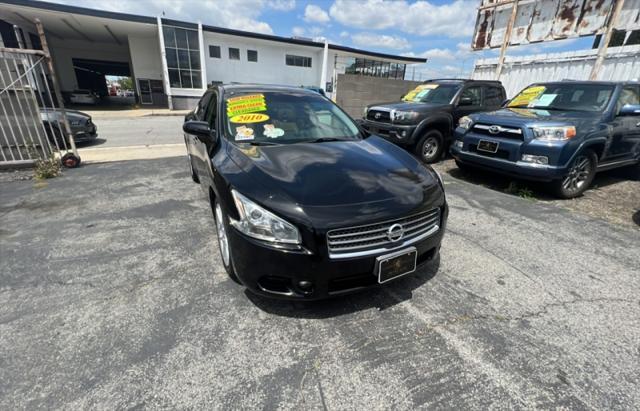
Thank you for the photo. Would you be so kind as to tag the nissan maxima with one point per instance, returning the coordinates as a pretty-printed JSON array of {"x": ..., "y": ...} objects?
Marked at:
[{"x": 306, "y": 205}]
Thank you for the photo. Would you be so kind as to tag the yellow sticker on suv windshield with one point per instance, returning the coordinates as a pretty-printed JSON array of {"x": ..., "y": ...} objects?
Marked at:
[
  {"x": 250, "y": 103},
  {"x": 526, "y": 96},
  {"x": 423, "y": 87},
  {"x": 249, "y": 118}
]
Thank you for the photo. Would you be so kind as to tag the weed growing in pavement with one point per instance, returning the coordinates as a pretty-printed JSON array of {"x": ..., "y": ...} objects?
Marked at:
[
  {"x": 523, "y": 192},
  {"x": 47, "y": 168}
]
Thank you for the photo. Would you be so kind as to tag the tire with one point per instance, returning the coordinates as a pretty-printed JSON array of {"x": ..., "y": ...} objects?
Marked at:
[
  {"x": 581, "y": 173},
  {"x": 69, "y": 160},
  {"x": 194, "y": 175},
  {"x": 222, "y": 228},
  {"x": 430, "y": 147}
]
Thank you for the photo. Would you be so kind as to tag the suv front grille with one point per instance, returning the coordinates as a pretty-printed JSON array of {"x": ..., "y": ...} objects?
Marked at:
[
  {"x": 379, "y": 115},
  {"x": 498, "y": 131},
  {"x": 372, "y": 238}
]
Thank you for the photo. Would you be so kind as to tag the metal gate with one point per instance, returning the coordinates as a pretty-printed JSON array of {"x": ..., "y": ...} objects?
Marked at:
[{"x": 31, "y": 126}]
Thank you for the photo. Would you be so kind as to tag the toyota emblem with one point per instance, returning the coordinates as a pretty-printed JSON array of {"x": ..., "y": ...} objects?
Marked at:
[
  {"x": 395, "y": 232},
  {"x": 377, "y": 116},
  {"x": 495, "y": 129}
]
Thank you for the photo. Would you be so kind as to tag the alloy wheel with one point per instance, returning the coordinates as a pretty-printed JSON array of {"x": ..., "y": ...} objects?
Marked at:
[
  {"x": 223, "y": 240},
  {"x": 578, "y": 175},
  {"x": 430, "y": 148}
]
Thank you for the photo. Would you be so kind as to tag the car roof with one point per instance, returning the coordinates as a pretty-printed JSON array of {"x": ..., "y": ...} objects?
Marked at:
[
  {"x": 238, "y": 88},
  {"x": 595, "y": 82},
  {"x": 462, "y": 80}
]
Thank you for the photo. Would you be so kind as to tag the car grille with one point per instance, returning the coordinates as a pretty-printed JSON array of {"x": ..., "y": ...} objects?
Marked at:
[
  {"x": 498, "y": 131},
  {"x": 379, "y": 115},
  {"x": 372, "y": 238}
]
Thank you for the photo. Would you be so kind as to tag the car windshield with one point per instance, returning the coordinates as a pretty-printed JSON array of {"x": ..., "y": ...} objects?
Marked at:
[
  {"x": 432, "y": 93},
  {"x": 285, "y": 118},
  {"x": 565, "y": 97}
]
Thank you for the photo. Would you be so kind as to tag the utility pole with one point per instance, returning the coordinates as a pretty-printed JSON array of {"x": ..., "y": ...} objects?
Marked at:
[
  {"x": 507, "y": 38},
  {"x": 605, "y": 39}
]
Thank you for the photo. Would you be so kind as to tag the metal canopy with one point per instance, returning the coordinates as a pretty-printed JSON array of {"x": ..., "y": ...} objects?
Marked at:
[{"x": 546, "y": 20}]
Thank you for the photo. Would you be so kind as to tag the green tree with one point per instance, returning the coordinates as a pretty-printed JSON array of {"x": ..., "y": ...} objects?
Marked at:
[{"x": 126, "y": 83}]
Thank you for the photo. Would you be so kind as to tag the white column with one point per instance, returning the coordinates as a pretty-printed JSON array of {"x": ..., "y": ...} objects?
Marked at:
[
  {"x": 203, "y": 66},
  {"x": 165, "y": 69},
  {"x": 323, "y": 74}
]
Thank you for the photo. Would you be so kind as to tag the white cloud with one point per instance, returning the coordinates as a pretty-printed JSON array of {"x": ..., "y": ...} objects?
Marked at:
[
  {"x": 380, "y": 40},
  {"x": 298, "y": 31},
  {"x": 282, "y": 5},
  {"x": 315, "y": 14},
  {"x": 235, "y": 14},
  {"x": 422, "y": 17},
  {"x": 344, "y": 34},
  {"x": 439, "y": 54}
]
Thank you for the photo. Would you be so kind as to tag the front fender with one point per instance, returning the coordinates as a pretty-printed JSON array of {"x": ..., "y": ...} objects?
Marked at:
[{"x": 430, "y": 121}]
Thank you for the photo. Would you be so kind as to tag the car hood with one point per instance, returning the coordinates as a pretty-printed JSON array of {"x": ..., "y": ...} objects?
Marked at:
[
  {"x": 340, "y": 173},
  {"x": 56, "y": 114},
  {"x": 409, "y": 106},
  {"x": 524, "y": 116}
]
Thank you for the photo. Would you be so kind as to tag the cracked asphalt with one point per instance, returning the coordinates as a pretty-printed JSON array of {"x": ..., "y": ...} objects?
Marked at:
[{"x": 112, "y": 295}]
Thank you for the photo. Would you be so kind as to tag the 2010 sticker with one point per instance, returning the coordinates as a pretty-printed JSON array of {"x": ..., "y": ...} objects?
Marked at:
[{"x": 249, "y": 118}]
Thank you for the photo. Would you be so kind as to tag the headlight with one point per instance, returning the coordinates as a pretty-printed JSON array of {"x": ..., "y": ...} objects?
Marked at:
[
  {"x": 554, "y": 133},
  {"x": 259, "y": 223},
  {"x": 465, "y": 122},
  {"x": 364, "y": 112},
  {"x": 403, "y": 116}
]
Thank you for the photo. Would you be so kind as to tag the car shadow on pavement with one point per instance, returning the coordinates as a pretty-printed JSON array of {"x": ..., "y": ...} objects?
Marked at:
[
  {"x": 380, "y": 297},
  {"x": 636, "y": 217},
  {"x": 92, "y": 143}
]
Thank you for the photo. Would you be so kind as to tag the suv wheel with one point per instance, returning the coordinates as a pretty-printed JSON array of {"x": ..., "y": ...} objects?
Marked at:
[
  {"x": 430, "y": 146},
  {"x": 222, "y": 230},
  {"x": 580, "y": 176}
]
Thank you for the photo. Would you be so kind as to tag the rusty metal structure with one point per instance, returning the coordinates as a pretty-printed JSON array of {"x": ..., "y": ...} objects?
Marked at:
[{"x": 536, "y": 21}]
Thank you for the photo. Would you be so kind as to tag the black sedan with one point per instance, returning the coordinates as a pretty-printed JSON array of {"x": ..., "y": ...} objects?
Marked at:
[
  {"x": 83, "y": 129},
  {"x": 306, "y": 205}
]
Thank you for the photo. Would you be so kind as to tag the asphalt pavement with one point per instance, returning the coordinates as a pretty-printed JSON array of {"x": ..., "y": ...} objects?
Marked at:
[
  {"x": 124, "y": 131},
  {"x": 112, "y": 295}
]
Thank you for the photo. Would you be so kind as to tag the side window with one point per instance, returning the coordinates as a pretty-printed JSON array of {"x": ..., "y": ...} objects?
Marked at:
[
  {"x": 629, "y": 95},
  {"x": 493, "y": 96},
  {"x": 212, "y": 111},
  {"x": 474, "y": 93},
  {"x": 202, "y": 106}
]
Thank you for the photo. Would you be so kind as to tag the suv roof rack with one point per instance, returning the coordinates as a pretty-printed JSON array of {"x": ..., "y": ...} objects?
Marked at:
[{"x": 462, "y": 79}]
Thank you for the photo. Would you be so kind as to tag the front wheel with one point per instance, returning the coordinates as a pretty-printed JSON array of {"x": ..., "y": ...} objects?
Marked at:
[
  {"x": 430, "y": 146},
  {"x": 222, "y": 230},
  {"x": 580, "y": 176}
]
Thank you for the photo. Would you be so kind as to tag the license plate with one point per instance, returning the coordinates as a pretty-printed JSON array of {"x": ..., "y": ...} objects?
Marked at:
[
  {"x": 397, "y": 264},
  {"x": 488, "y": 146}
]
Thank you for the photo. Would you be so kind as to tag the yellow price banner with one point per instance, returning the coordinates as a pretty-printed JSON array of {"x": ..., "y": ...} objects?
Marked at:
[{"x": 526, "y": 96}]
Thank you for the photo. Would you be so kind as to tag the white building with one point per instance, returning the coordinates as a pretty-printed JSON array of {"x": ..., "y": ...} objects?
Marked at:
[{"x": 173, "y": 62}]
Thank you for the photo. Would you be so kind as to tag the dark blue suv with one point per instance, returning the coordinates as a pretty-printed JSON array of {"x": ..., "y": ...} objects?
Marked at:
[{"x": 560, "y": 132}]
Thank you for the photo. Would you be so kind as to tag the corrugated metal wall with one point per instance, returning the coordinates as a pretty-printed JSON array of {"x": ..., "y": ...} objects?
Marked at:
[{"x": 622, "y": 63}]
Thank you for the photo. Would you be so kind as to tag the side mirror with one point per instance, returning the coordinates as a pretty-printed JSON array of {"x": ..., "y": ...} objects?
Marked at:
[
  {"x": 465, "y": 101},
  {"x": 630, "y": 110},
  {"x": 201, "y": 130}
]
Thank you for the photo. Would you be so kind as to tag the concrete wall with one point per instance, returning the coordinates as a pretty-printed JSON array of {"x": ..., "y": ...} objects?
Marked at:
[
  {"x": 270, "y": 67},
  {"x": 355, "y": 92}
]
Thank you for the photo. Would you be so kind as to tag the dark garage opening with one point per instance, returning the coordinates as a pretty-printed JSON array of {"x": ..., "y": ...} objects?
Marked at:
[{"x": 91, "y": 74}]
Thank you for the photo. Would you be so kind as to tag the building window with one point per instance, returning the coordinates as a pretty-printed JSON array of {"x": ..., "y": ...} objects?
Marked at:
[
  {"x": 214, "y": 52},
  {"x": 252, "y": 55},
  {"x": 234, "y": 53},
  {"x": 182, "y": 49},
  {"x": 373, "y": 68},
  {"x": 298, "y": 61}
]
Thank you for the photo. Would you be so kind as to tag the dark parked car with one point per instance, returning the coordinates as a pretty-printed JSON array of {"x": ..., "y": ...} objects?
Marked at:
[
  {"x": 305, "y": 205},
  {"x": 560, "y": 132},
  {"x": 424, "y": 121},
  {"x": 83, "y": 129}
]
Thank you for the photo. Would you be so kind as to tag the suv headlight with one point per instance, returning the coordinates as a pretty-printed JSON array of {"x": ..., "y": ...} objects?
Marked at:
[
  {"x": 259, "y": 223},
  {"x": 465, "y": 122},
  {"x": 554, "y": 133},
  {"x": 403, "y": 116}
]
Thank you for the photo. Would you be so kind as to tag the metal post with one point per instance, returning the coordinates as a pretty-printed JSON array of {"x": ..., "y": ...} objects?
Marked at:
[
  {"x": 323, "y": 74},
  {"x": 507, "y": 38},
  {"x": 203, "y": 68},
  {"x": 605, "y": 39},
  {"x": 56, "y": 87}
]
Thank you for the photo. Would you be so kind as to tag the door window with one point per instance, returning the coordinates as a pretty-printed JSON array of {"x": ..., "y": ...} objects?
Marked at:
[
  {"x": 629, "y": 95},
  {"x": 474, "y": 93},
  {"x": 212, "y": 111},
  {"x": 202, "y": 106},
  {"x": 493, "y": 96}
]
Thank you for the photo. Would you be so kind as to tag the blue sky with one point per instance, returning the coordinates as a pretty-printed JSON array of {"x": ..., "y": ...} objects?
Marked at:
[{"x": 436, "y": 29}]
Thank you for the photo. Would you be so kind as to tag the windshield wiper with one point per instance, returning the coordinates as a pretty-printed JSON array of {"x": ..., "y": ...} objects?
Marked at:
[
  {"x": 259, "y": 143},
  {"x": 325, "y": 139}
]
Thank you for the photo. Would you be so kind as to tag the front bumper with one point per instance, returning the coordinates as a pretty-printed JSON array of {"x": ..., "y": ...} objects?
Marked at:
[
  {"x": 395, "y": 133},
  {"x": 85, "y": 134},
  {"x": 277, "y": 273},
  {"x": 507, "y": 160}
]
